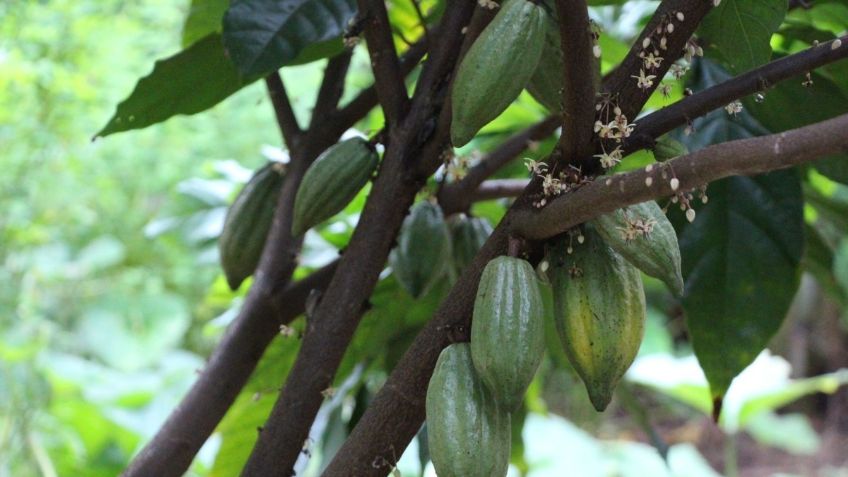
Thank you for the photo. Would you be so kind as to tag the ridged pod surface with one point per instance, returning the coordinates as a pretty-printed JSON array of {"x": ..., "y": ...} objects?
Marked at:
[
  {"x": 644, "y": 236},
  {"x": 508, "y": 329},
  {"x": 468, "y": 234},
  {"x": 468, "y": 434},
  {"x": 423, "y": 249},
  {"x": 668, "y": 148},
  {"x": 599, "y": 308},
  {"x": 496, "y": 68},
  {"x": 247, "y": 224},
  {"x": 332, "y": 181}
]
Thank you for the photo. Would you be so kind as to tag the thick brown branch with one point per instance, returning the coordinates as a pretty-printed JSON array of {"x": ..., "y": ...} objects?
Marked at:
[
  {"x": 396, "y": 413},
  {"x": 578, "y": 92},
  {"x": 388, "y": 77},
  {"x": 332, "y": 324},
  {"x": 622, "y": 85},
  {"x": 499, "y": 189},
  {"x": 283, "y": 110},
  {"x": 660, "y": 122},
  {"x": 172, "y": 449},
  {"x": 457, "y": 193}
]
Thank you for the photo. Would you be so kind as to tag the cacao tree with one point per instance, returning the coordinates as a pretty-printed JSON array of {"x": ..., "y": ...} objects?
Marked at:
[{"x": 756, "y": 90}]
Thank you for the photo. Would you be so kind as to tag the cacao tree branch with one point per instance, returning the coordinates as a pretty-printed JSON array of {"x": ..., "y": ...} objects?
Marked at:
[
  {"x": 621, "y": 84},
  {"x": 331, "y": 326},
  {"x": 388, "y": 78},
  {"x": 397, "y": 411},
  {"x": 332, "y": 88},
  {"x": 457, "y": 193},
  {"x": 759, "y": 79},
  {"x": 283, "y": 110},
  {"x": 578, "y": 85},
  {"x": 499, "y": 189}
]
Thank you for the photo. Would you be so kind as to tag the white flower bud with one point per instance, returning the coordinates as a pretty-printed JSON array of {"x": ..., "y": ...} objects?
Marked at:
[
  {"x": 674, "y": 183},
  {"x": 690, "y": 215}
]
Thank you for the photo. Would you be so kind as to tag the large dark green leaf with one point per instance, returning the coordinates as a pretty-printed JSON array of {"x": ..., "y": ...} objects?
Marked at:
[
  {"x": 740, "y": 31},
  {"x": 742, "y": 253},
  {"x": 263, "y": 35},
  {"x": 204, "y": 17},
  {"x": 740, "y": 259},
  {"x": 189, "y": 82}
]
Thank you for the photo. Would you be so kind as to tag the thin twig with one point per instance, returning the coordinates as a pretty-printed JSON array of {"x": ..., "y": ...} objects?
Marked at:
[
  {"x": 388, "y": 77},
  {"x": 332, "y": 88},
  {"x": 702, "y": 102},
  {"x": 283, "y": 110}
]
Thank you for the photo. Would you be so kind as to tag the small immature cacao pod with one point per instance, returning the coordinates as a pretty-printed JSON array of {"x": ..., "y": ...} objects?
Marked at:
[
  {"x": 332, "y": 181},
  {"x": 599, "y": 309},
  {"x": 423, "y": 249},
  {"x": 248, "y": 222},
  {"x": 643, "y": 235},
  {"x": 468, "y": 433},
  {"x": 496, "y": 68},
  {"x": 508, "y": 329},
  {"x": 468, "y": 234}
]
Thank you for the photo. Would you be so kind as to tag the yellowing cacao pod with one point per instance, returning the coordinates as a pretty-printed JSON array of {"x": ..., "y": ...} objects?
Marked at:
[
  {"x": 332, "y": 181},
  {"x": 468, "y": 236},
  {"x": 423, "y": 249},
  {"x": 643, "y": 235},
  {"x": 248, "y": 222},
  {"x": 496, "y": 68},
  {"x": 467, "y": 432},
  {"x": 508, "y": 329},
  {"x": 599, "y": 308}
]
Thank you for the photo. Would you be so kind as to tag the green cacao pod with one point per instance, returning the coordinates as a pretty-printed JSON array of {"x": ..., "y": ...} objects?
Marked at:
[
  {"x": 643, "y": 235},
  {"x": 468, "y": 234},
  {"x": 496, "y": 68},
  {"x": 599, "y": 308},
  {"x": 332, "y": 181},
  {"x": 423, "y": 249},
  {"x": 467, "y": 432},
  {"x": 247, "y": 224},
  {"x": 508, "y": 329},
  {"x": 668, "y": 148}
]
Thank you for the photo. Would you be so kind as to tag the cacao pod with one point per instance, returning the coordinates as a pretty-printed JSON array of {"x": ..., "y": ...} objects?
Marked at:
[
  {"x": 423, "y": 249},
  {"x": 332, "y": 181},
  {"x": 668, "y": 148},
  {"x": 496, "y": 68},
  {"x": 248, "y": 222},
  {"x": 599, "y": 308},
  {"x": 468, "y": 234},
  {"x": 508, "y": 329},
  {"x": 467, "y": 432},
  {"x": 644, "y": 236}
]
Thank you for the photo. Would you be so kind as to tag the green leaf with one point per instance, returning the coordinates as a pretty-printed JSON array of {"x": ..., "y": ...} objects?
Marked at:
[
  {"x": 740, "y": 259},
  {"x": 204, "y": 17},
  {"x": 189, "y": 82},
  {"x": 263, "y": 35},
  {"x": 740, "y": 31}
]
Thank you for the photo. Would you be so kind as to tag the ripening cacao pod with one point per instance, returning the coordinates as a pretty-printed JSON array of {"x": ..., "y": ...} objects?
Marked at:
[
  {"x": 248, "y": 222},
  {"x": 599, "y": 308},
  {"x": 468, "y": 236},
  {"x": 467, "y": 432},
  {"x": 332, "y": 181},
  {"x": 508, "y": 329},
  {"x": 643, "y": 235},
  {"x": 668, "y": 148},
  {"x": 423, "y": 249},
  {"x": 496, "y": 68}
]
